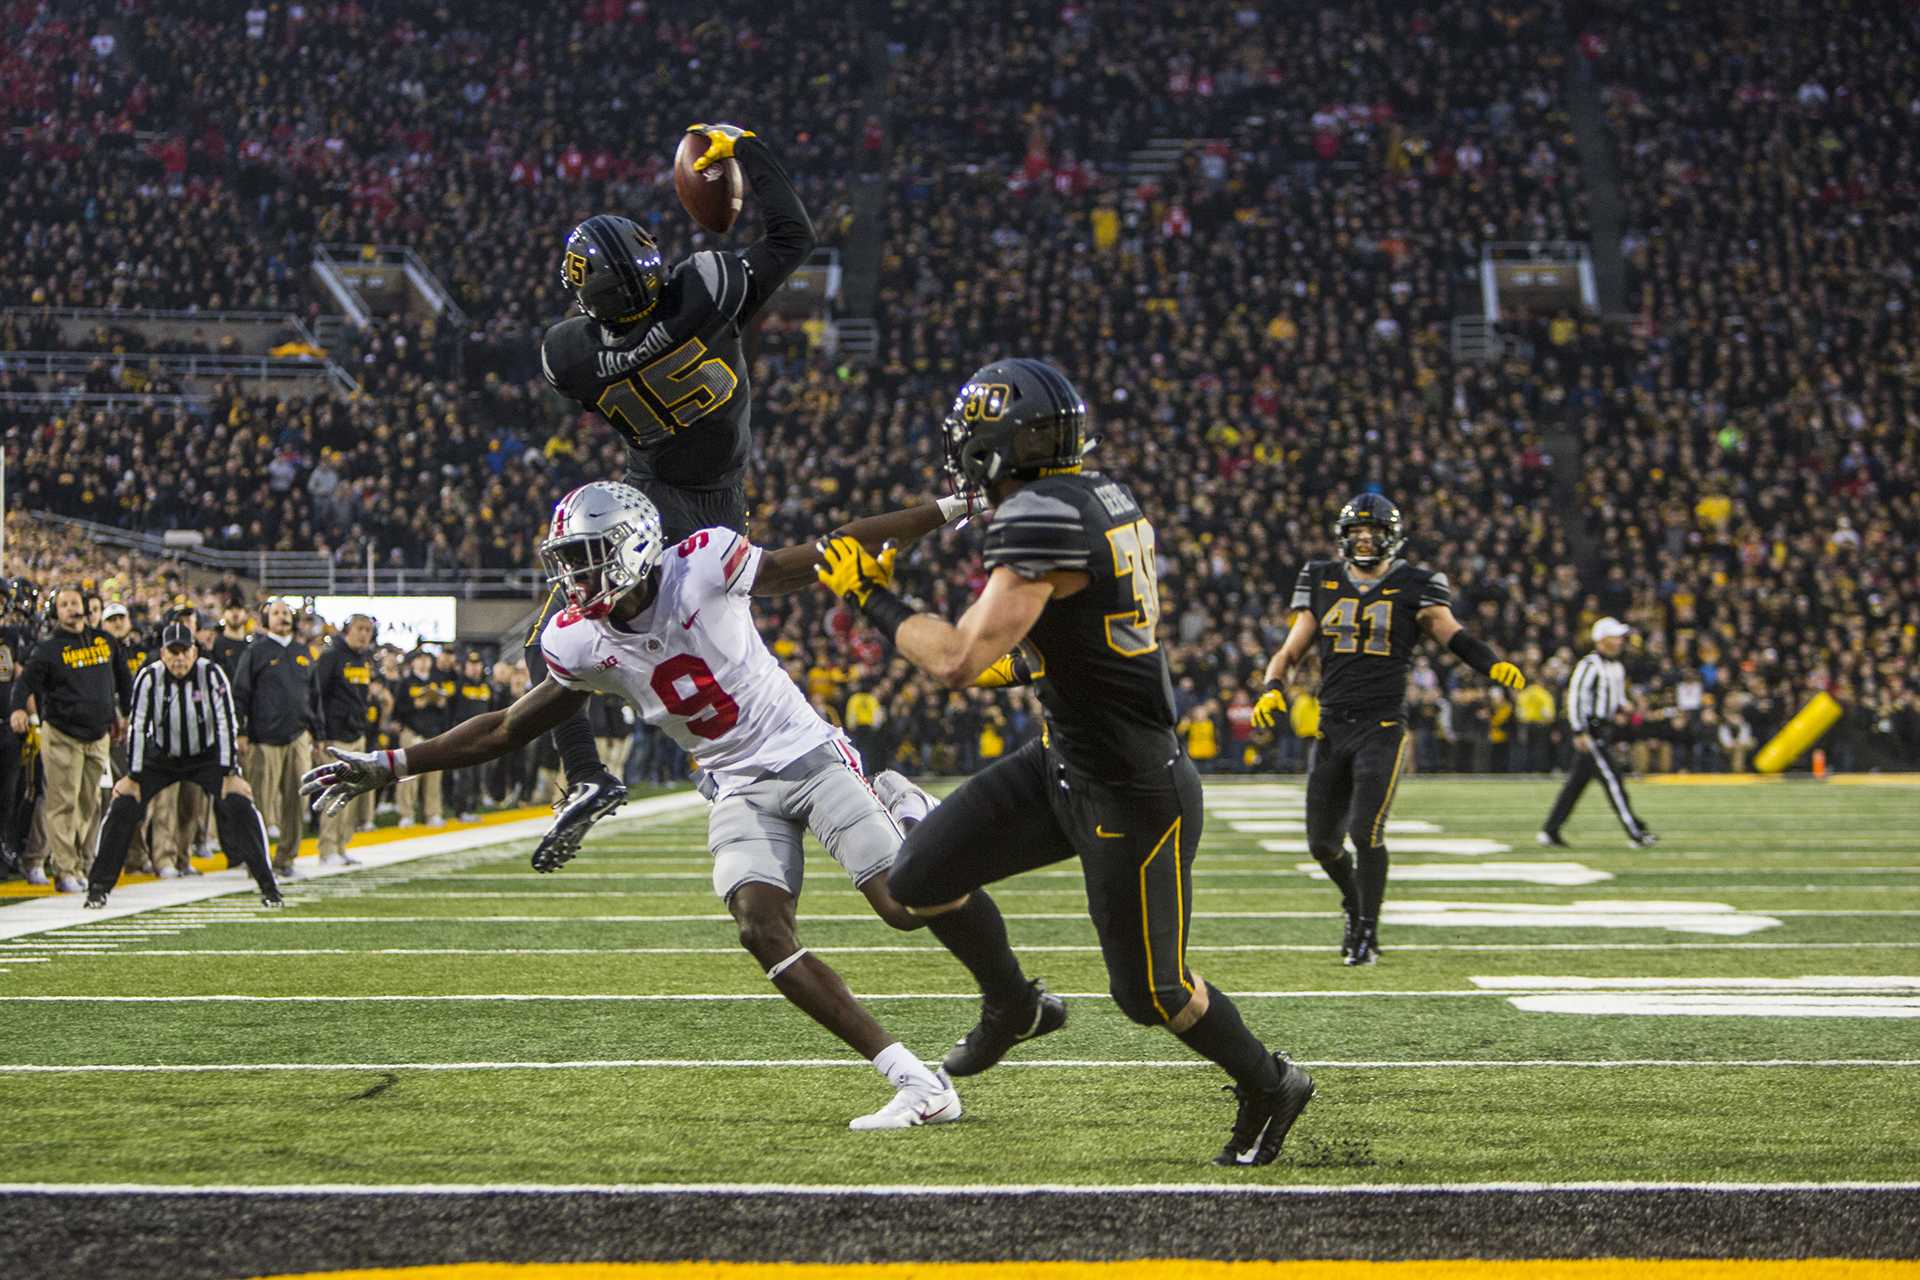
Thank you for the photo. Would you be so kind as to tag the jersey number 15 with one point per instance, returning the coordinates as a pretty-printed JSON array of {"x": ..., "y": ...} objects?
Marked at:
[{"x": 677, "y": 389}]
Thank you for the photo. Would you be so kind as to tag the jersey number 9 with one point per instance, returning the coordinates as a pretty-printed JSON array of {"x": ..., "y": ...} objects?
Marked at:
[{"x": 709, "y": 710}]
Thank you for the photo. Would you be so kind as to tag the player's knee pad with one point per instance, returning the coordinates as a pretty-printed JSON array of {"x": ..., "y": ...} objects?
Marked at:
[
  {"x": 1365, "y": 850},
  {"x": 910, "y": 880},
  {"x": 1150, "y": 1007},
  {"x": 1327, "y": 852}
]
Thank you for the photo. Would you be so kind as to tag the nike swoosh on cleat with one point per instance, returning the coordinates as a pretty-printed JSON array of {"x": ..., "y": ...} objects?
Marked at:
[
  {"x": 688, "y": 624},
  {"x": 928, "y": 1115}
]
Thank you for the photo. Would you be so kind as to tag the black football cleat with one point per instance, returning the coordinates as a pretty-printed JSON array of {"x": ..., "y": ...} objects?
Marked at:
[
  {"x": 272, "y": 899},
  {"x": 588, "y": 802},
  {"x": 1550, "y": 840},
  {"x": 1351, "y": 935},
  {"x": 1366, "y": 944},
  {"x": 96, "y": 899},
  {"x": 1264, "y": 1118},
  {"x": 1645, "y": 840},
  {"x": 999, "y": 1029}
]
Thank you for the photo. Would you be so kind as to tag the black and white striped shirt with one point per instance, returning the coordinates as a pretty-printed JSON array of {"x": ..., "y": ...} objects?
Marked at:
[
  {"x": 1598, "y": 690},
  {"x": 185, "y": 718}
]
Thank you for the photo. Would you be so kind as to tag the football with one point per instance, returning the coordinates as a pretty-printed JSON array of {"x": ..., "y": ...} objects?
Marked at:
[{"x": 713, "y": 195}]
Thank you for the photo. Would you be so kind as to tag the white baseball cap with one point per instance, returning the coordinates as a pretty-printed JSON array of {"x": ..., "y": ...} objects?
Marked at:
[{"x": 1608, "y": 628}]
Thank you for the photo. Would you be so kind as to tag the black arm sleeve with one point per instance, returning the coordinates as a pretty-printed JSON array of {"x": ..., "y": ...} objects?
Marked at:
[
  {"x": 243, "y": 691},
  {"x": 789, "y": 235},
  {"x": 1475, "y": 653},
  {"x": 122, "y": 680}
]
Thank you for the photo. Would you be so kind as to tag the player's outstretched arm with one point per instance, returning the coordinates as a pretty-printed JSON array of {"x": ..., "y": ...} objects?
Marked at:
[
  {"x": 1437, "y": 620},
  {"x": 956, "y": 654},
  {"x": 483, "y": 738},
  {"x": 793, "y": 568},
  {"x": 789, "y": 235}
]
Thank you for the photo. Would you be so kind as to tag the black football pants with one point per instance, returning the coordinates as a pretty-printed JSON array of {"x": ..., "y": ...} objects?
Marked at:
[
  {"x": 682, "y": 513},
  {"x": 1352, "y": 773},
  {"x": 242, "y": 833},
  {"x": 1587, "y": 766},
  {"x": 1136, "y": 842}
]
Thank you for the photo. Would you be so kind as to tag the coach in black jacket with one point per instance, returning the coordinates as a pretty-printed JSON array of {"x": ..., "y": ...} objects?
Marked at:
[
  {"x": 341, "y": 678},
  {"x": 80, "y": 688},
  {"x": 183, "y": 732},
  {"x": 273, "y": 696}
]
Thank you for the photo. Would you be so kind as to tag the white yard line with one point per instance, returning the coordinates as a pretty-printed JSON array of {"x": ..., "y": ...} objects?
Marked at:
[
  {"x": 1151, "y": 1064},
  {"x": 1196, "y": 1189},
  {"x": 63, "y": 911},
  {"x": 708, "y": 997}
]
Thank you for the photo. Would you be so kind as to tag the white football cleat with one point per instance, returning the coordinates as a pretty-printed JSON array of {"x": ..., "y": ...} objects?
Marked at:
[
  {"x": 906, "y": 802},
  {"x": 915, "y": 1105}
]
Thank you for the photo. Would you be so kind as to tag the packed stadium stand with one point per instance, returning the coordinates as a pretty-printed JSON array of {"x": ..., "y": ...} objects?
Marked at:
[{"x": 1248, "y": 241}]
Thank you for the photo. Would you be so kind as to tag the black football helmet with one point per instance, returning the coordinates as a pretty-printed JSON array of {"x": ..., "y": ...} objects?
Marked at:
[
  {"x": 1369, "y": 511},
  {"x": 614, "y": 269},
  {"x": 1014, "y": 418}
]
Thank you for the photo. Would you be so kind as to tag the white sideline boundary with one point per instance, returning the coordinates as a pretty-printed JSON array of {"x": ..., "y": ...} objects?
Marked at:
[
  {"x": 1239, "y": 1189},
  {"x": 1077, "y": 1064},
  {"x": 63, "y": 911}
]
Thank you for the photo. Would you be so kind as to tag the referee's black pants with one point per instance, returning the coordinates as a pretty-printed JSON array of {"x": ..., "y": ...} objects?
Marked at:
[
  {"x": 1136, "y": 839},
  {"x": 1595, "y": 763},
  {"x": 241, "y": 830},
  {"x": 683, "y": 512}
]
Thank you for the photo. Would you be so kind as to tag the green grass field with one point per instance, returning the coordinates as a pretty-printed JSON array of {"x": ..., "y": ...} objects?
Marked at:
[{"x": 461, "y": 1020}]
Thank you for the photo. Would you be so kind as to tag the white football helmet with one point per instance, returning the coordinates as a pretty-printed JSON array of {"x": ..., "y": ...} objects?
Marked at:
[{"x": 603, "y": 541}]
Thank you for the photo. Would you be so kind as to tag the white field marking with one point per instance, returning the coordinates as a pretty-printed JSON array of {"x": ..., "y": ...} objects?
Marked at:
[
  {"x": 1072, "y": 1064},
  {"x": 1690, "y": 985},
  {"x": 689, "y": 997},
  {"x": 1261, "y": 825},
  {"x": 1242, "y": 1190},
  {"x": 1459, "y": 846},
  {"x": 1254, "y": 948},
  {"x": 1675, "y": 917},
  {"x": 64, "y": 911},
  {"x": 1710, "y": 917},
  {"x": 1555, "y": 873},
  {"x": 1681, "y": 1005}
]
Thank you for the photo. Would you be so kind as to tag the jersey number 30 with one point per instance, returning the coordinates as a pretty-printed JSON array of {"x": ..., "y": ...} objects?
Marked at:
[
  {"x": 1131, "y": 634},
  {"x": 709, "y": 710},
  {"x": 663, "y": 395}
]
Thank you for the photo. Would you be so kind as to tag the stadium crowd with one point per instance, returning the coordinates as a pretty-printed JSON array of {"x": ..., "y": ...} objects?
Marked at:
[{"x": 1260, "y": 330}]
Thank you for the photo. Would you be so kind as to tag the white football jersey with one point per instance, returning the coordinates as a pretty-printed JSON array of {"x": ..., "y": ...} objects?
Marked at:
[{"x": 694, "y": 665}]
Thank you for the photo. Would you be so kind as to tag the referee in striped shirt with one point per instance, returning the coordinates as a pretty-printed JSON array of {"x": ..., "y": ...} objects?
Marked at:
[
  {"x": 182, "y": 733},
  {"x": 1595, "y": 695}
]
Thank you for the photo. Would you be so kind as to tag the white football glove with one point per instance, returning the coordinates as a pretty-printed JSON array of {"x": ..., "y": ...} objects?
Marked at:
[{"x": 350, "y": 773}]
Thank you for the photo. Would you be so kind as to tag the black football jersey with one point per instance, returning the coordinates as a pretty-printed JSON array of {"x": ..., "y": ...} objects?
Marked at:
[
  {"x": 1101, "y": 676},
  {"x": 675, "y": 387},
  {"x": 1367, "y": 634}
]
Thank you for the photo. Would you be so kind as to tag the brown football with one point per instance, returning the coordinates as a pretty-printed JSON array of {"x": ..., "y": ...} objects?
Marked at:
[{"x": 713, "y": 195}]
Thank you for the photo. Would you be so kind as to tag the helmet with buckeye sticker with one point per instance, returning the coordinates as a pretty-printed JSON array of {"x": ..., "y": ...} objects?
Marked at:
[{"x": 603, "y": 541}]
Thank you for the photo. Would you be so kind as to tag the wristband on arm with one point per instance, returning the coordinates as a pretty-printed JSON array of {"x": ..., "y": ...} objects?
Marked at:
[
  {"x": 1475, "y": 653},
  {"x": 886, "y": 611},
  {"x": 397, "y": 762}
]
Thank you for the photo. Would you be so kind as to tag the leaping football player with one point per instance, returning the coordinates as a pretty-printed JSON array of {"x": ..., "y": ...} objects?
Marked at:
[
  {"x": 669, "y": 629},
  {"x": 1072, "y": 587},
  {"x": 1369, "y": 609},
  {"x": 656, "y": 353}
]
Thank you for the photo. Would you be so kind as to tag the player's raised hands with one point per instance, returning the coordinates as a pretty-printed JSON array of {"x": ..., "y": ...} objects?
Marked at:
[{"x": 852, "y": 572}]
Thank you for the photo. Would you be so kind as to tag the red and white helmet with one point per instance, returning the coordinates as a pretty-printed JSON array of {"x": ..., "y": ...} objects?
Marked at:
[{"x": 603, "y": 541}]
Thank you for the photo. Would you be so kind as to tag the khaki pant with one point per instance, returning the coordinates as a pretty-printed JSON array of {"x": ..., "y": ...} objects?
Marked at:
[
  {"x": 336, "y": 829},
  {"x": 422, "y": 790},
  {"x": 613, "y": 754},
  {"x": 74, "y": 768},
  {"x": 176, "y": 817},
  {"x": 274, "y": 774}
]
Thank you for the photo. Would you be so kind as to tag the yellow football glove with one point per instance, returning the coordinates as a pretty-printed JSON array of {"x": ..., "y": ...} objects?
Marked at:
[
  {"x": 852, "y": 572},
  {"x": 721, "y": 139},
  {"x": 1271, "y": 706},
  {"x": 1017, "y": 668},
  {"x": 1505, "y": 673}
]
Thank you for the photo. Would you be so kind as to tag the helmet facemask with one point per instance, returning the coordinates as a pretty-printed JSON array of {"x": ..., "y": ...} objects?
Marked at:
[{"x": 595, "y": 566}]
